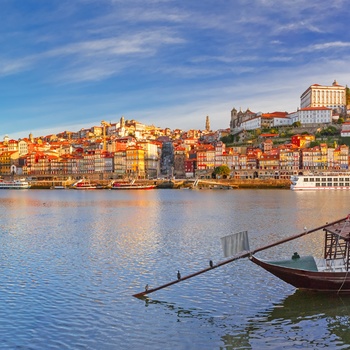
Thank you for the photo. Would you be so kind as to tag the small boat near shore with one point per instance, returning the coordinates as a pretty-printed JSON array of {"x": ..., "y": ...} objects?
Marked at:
[
  {"x": 84, "y": 184},
  {"x": 131, "y": 186},
  {"x": 58, "y": 187},
  {"x": 14, "y": 184}
]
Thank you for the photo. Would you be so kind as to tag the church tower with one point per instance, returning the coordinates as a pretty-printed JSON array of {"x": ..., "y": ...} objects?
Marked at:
[
  {"x": 122, "y": 122},
  {"x": 234, "y": 119},
  {"x": 122, "y": 127},
  {"x": 207, "y": 124}
]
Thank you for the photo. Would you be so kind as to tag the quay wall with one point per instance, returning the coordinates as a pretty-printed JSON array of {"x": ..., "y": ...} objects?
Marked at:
[
  {"x": 253, "y": 183},
  {"x": 176, "y": 184}
]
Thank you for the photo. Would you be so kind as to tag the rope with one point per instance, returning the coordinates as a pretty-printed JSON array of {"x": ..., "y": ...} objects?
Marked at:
[{"x": 347, "y": 267}]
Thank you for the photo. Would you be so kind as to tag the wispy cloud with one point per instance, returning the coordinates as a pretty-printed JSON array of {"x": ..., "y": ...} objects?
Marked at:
[
  {"x": 166, "y": 58},
  {"x": 326, "y": 46},
  {"x": 9, "y": 67}
]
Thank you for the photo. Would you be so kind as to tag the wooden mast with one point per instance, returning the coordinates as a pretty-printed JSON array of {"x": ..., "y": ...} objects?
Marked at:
[{"x": 240, "y": 255}]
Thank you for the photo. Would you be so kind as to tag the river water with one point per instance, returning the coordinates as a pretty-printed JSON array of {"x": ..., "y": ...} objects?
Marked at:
[{"x": 71, "y": 260}]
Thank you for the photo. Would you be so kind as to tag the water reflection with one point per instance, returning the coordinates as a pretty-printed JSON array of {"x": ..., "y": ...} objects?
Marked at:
[
  {"x": 71, "y": 260},
  {"x": 178, "y": 310},
  {"x": 303, "y": 320}
]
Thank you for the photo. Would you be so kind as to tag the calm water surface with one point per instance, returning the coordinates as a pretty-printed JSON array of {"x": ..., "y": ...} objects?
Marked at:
[{"x": 71, "y": 260}]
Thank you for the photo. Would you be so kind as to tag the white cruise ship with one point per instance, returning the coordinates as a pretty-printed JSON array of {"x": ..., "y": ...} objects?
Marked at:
[{"x": 335, "y": 181}]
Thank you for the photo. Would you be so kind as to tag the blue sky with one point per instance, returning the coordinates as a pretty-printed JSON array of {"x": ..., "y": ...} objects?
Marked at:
[{"x": 68, "y": 64}]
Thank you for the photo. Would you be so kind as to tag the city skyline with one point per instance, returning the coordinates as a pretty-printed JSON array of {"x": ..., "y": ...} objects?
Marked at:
[{"x": 67, "y": 65}]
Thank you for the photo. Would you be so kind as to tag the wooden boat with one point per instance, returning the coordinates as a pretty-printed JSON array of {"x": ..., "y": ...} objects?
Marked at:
[
  {"x": 131, "y": 186},
  {"x": 327, "y": 274},
  {"x": 330, "y": 273},
  {"x": 306, "y": 275}
]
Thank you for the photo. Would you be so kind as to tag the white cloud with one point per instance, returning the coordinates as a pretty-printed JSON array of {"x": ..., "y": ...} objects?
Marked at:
[
  {"x": 9, "y": 67},
  {"x": 326, "y": 46}
]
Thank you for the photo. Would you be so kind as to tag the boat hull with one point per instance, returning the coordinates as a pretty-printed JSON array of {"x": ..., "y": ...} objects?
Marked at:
[
  {"x": 133, "y": 187},
  {"x": 320, "y": 281},
  {"x": 14, "y": 185},
  {"x": 85, "y": 188},
  {"x": 321, "y": 182}
]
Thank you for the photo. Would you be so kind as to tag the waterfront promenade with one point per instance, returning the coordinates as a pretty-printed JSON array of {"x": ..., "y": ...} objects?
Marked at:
[{"x": 182, "y": 183}]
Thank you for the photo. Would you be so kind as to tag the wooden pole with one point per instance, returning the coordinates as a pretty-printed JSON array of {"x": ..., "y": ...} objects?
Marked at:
[{"x": 240, "y": 255}]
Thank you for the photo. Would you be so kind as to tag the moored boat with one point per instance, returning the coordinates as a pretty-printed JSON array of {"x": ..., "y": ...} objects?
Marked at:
[
  {"x": 14, "y": 184},
  {"x": 307, "y": 273},
  {"x": 131, "y": 186},
  {"x": 84, "y": 184},
  {"x": 328, "y": 181},
  {"x": 329, "y": 273}
]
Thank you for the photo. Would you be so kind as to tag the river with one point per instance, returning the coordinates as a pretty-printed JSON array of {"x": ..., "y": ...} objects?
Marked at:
[{"x": 71, "y": 260}]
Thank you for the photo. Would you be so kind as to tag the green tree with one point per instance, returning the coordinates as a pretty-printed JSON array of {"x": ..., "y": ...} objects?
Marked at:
[
  {"x": 314, "y": 143},
  {"x": 222, "y": 170},
  {"x": 227, "y": 139},
  {"x": 297, "y": 124}
]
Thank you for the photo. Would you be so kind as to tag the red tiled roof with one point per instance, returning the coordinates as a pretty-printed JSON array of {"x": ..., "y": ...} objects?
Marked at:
[
  {"x": 268, "y": 135},
  {"x": 314, "y": 108}
]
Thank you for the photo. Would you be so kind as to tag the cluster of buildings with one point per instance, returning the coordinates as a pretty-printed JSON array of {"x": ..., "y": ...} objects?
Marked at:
[
  {"x": 128, "y": 148},
  {"x": 318, "y": 105},
  {"x": 112, "y": 150},
  {"x": 266, "y": 161}
]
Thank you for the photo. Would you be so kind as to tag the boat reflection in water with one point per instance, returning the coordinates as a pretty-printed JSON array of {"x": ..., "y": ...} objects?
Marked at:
[
  {"x": 310, "y": 320},
  {"x": 329, "y": 315}
]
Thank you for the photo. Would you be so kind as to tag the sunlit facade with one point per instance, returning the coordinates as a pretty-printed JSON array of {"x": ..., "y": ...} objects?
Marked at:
[{"x": 316, "y": 95}]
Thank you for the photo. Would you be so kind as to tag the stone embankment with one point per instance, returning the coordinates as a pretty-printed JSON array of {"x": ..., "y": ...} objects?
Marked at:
[
  {"x": 176, "y": 184},
  {"x": 248, "y": 183}
]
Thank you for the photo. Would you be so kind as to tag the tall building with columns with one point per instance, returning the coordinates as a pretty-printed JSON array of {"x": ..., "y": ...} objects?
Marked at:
[{"x": 333, "y": 97}]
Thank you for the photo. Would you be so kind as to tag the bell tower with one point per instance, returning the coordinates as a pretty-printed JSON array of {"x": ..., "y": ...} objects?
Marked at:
[{"x": 207, "y": 123}]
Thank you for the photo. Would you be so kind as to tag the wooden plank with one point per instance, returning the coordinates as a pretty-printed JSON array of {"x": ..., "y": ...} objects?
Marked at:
[{"x": 240, "y": 255}]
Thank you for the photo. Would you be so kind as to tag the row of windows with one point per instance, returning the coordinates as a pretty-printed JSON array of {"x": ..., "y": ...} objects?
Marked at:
[
  {"x": 317, "y": 179},
  {"x": 329, "y": 184}
]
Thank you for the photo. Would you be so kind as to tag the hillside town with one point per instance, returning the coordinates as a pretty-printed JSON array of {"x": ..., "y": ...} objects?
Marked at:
[{"x": 273, "y": 145}]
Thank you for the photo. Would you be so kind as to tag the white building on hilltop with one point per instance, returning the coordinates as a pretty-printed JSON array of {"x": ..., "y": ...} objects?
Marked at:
[{"x": 316, "y": 95}]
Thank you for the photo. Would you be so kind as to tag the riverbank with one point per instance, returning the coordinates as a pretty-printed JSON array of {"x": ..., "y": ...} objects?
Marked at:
[
  {"x": 200, "y": 184},
  {"x": 246, "y": 183}
]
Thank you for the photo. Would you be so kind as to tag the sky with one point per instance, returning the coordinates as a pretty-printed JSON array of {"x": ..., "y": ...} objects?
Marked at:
[{"x": 69, "y": 64}]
